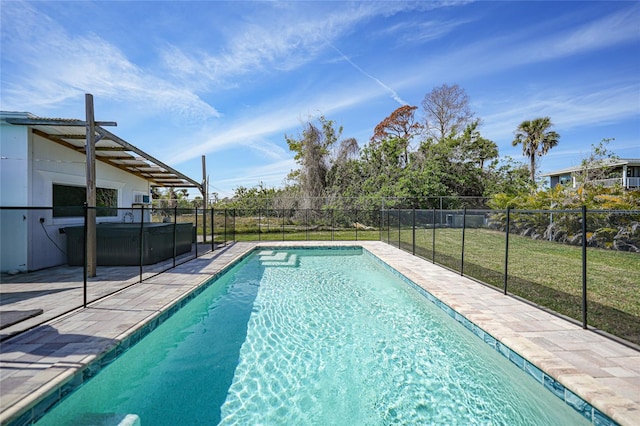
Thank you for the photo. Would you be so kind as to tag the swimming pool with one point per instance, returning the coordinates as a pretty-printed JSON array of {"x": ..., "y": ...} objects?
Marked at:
[{"x": 312, "y": 337}]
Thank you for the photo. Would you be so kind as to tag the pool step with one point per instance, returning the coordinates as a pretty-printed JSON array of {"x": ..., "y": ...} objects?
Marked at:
[
  {"x": 107, "y": 419},
  {"x": 281, "y": 259}
]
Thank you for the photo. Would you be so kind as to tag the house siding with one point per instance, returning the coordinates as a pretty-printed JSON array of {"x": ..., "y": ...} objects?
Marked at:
[
  {"x": 33, "y": 164},
  {"x": 14, "y": 181}
]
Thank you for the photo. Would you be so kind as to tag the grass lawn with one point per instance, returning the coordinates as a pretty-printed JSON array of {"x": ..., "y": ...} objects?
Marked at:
[{"x": 546, "y": 273}]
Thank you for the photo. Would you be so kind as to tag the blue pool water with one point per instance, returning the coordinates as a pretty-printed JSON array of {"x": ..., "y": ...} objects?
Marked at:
[{"x": 327, "y": 337}]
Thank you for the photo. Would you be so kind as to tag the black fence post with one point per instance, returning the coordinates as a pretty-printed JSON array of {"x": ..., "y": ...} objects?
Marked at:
[
  {"x": 584, "y": 266},
  {"x": 175, "y": 234},
  {"x": 235, "y": 213},
  {"x": 225, "y": 227},
  {"x": 306, "y": 224},
  {"x": 259, "y": 222},
  {"x": 388, "y": 226},
  {"x": 141, "y": 239},
  {"x": 204, "y": 224},
  {"x": 282, "y": 224},
  {"x": 196, "y": 232},
  {"x": 399, "y": 228},
  {"x": 213, "y": 245},
  {"x": 464, "y": 226},
  {"x": 433, "y": 238},
  {"x": 84, "y": 254},
  {"x": 413, "y": 232},
  {"x": 506, "y": 250}
]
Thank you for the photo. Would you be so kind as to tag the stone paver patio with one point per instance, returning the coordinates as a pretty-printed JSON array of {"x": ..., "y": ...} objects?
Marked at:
[{"x": 34, "y": 365}]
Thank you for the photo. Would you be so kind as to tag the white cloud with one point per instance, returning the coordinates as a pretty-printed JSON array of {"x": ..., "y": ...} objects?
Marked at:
[
  {"x": 569, "y": 109},
  {"x": 545, "y": 42},
  {"x": 278, "y": 117},
  {"x": 54, "y": 67},
  {"x": 282, "y": 37},
  {"x": 421, "y": 31},
  {"x": 610, "y": 30}
]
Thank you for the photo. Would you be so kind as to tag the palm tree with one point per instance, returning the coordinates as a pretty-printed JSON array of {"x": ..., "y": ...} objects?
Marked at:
[{"x": 536, "y": 140}]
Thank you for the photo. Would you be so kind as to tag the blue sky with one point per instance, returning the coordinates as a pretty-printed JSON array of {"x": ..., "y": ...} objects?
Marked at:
[{"x": 229, "y": 79}]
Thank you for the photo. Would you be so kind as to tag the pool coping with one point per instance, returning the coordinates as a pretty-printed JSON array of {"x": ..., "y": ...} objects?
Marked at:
[{"x": 595, "y": 400}]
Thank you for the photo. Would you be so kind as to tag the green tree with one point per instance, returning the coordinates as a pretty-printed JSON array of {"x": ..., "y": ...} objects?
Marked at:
[
  {"x": 253, "y": 198},
  {"x": 458, "y": 161},
  {"x": 536, "y": 140},
  {"x": 172, "y": 197},
  {"x": 507, "y": 177},
  {"x": 382, "y": 168},
  {"x": 470, "y": 146}
]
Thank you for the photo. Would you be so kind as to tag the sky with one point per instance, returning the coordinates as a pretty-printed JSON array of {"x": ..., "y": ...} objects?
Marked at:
[{"x": 229, "y": 80}]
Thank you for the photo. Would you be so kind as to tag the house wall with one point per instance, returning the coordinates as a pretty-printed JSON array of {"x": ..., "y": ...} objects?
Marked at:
[
  {"x": 14, "y": 181},
  {"x": 31, "y": 239},
  {"x": 56, "y": 164}
]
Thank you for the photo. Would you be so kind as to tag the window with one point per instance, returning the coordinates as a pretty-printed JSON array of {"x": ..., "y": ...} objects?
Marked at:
[
  {"x": 633, "y": 171},
  {"x": 68, "y": 201},
  {"x": 565, "y": 179}
]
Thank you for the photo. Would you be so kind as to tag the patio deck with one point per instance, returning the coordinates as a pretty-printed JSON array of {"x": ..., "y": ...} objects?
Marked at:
[
  {"x": 54, "y": 291},
  {"x": 34, "y": 364}
]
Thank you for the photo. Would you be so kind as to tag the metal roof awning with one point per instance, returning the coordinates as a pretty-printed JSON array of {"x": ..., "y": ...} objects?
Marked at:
[{"x": 109, "y": 149}]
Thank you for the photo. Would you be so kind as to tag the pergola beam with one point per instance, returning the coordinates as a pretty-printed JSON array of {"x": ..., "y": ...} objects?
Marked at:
[
  {"x": 107, "y": 134},
  {"x": 56, "y": 122},
  {"x": 157, "y": 173}
]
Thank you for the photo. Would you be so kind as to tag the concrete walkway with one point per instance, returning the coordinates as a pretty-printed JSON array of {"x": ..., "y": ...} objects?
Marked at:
[
  {"x": 29, "y": 299},
  {"x": 42, "y": 365}
]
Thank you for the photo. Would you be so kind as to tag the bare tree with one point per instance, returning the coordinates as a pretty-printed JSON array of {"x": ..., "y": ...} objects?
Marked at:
[
  {"x": 598, "y": 166},
  {"x": 313, "y": 149},
  {"x": 348, "y": 150},
  {"x": 447, "y": 111}
]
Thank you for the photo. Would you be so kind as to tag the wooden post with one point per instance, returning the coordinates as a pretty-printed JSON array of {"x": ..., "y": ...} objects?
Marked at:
[{"x": 92, "y": 257}]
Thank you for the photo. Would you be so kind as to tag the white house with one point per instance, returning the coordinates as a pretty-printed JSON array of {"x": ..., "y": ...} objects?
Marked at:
[
  {"x": 620, "y": 171},
  {"x": 43, "y": 164}
]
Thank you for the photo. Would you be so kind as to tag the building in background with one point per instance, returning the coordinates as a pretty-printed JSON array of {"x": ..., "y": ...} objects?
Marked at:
[{"x": 619, "y": 171}]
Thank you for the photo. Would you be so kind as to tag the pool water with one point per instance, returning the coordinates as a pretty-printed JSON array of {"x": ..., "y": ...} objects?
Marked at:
[{"x": 306, "y": 337}]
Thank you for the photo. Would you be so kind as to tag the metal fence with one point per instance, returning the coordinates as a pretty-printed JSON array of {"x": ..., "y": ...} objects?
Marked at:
[
  {"x": 582, "y": 264},
  {"x": 45, "y": 270},
  {"x": 300, "y": 224},
  {"x": 540, "y": 256}
]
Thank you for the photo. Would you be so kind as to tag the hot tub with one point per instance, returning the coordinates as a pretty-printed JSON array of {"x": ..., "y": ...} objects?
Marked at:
[{"x": 118, "y": 244}]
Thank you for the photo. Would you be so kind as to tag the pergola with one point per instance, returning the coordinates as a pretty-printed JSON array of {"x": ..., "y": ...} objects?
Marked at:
[
  {"x": 90, "y": 138},
  {"x": 109, "y": 149}
]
